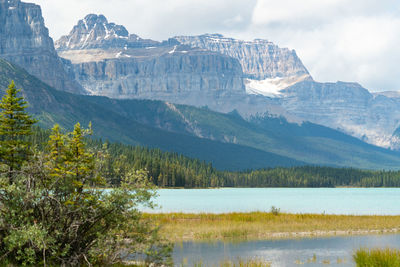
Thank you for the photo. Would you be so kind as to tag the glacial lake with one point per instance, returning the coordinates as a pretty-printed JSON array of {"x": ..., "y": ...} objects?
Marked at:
[
  {"x": 356, "y": 201},
  {"x": 334, "y": 251}
]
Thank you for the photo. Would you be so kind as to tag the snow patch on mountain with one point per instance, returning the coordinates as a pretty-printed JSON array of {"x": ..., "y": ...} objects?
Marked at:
[
  {"x": 267, "y": 87},
  {"x": 272, "y": 87}
]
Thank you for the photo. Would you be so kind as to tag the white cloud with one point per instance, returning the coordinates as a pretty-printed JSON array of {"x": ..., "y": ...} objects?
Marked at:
[
  {"x": 288, "y": 11},
  {"x": 350, "y": 40},
  {"x": 156, "y": 19}
]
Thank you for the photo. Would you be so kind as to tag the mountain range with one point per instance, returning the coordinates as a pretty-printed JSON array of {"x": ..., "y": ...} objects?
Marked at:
[
  {"x": 237, "y": 104},
  {"x": 225, "y": 74}
]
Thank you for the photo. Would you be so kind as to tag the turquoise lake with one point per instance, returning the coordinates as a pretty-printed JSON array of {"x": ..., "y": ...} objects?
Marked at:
[
  {"x": 337, "y": 251},
  {"x": 333, "y": 251},
  {"x": 357, "y": 201}
]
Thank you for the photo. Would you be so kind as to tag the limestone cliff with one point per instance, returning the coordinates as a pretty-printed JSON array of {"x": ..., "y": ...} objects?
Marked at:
[
  {"x": 109, "y": 61},
  {"x": 260, "y": 59},
  {"x": 24, "y": 40}
]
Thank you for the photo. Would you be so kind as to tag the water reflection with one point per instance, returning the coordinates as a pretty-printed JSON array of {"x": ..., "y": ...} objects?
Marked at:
[{"x": 298, "y": 252}]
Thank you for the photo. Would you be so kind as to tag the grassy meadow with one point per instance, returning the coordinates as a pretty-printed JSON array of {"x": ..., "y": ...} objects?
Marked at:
[{"x": 263, "y": 226}]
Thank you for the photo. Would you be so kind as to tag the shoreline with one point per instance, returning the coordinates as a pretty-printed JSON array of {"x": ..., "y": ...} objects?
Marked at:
[
  {"x": 283, "y": 187},
  {"x": 332, "y": 233},
  {"x": 237, "y": 227}
]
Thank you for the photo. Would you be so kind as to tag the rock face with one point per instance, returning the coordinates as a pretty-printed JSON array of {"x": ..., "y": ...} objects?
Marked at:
[
  {"x": 260, "y": 59},
  {"x": 108, "y": 61},
  {"x": 169, "y": 75},
  {"x": 24, "y": 40},
  {"x": 345, "y": 106}
]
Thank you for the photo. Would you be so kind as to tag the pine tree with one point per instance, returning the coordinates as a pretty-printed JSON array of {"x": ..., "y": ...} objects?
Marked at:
[
  {"x": 15, "y": 126},
  {"x": 56, "y": 157}
]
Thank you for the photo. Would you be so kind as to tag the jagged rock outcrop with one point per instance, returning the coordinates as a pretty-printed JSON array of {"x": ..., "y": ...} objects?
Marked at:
[
  {"x": 24, "y": 40},
  {"x": 94, "y": 31},
  {"x": 260, "y": 59}
]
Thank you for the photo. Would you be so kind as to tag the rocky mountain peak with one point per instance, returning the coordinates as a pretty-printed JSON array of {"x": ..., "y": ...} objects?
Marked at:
[
  {"x": 93, "y": 19},
  {"x": 95, "y": 32},
  {"x": 99, "y": 25}
]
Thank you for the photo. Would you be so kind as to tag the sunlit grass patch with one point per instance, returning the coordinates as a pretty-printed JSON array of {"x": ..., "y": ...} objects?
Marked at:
[
  {"x": 268, "y": 225},
  {"x": 377, "y": 257},
  {"x": 239, "y": 263}
]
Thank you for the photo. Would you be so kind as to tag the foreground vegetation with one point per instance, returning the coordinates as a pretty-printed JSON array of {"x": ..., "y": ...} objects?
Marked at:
[
  {"x": 50, "y": 210},
  {"x": 262, "y": 226},
  {"x": 377, "y": 257}
]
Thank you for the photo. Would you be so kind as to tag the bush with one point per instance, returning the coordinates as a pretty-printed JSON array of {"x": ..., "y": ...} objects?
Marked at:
[{"x": 275, "y": 211}]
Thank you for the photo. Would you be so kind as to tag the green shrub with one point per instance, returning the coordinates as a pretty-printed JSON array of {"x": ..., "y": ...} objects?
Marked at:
[
  {"x": 51, "y": 210},
  {"x": 275, "y": 211}
]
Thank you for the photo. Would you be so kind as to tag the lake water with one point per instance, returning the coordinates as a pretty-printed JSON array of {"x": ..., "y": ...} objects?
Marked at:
[
  {"x": 357, "y": 201},
  {"x": 337, "y": 251}
]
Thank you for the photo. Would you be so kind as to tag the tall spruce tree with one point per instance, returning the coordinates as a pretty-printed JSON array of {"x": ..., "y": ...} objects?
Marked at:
[{"x": 15, "y": 126}]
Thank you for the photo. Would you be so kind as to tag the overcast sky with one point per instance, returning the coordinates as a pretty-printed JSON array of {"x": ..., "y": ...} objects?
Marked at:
[{"x": 346, "y": 40}]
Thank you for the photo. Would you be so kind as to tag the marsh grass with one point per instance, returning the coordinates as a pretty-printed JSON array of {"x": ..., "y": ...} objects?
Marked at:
[
  {"x": 377, "y": 257},
  {"x": 239, "y": 263},
  {"x": 262, "y": 225}
]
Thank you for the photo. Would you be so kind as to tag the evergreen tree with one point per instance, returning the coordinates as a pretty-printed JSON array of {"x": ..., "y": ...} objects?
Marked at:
[
  {"x": 15, "y": 126},
  {"x": 56, "y": 157},
  {"x": 80, "y": 163}
]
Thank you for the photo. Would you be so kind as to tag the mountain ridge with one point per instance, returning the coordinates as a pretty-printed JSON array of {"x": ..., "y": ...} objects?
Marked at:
[
  {"x": 25, "y": 40},
  {"x": 260, "y": 59}
]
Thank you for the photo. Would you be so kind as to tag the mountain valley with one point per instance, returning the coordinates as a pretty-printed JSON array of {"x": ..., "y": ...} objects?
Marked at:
[{"x": 207, "y": 96}]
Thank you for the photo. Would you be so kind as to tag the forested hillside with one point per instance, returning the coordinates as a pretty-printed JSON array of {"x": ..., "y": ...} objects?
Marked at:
[{"x": 174, "y": 170}]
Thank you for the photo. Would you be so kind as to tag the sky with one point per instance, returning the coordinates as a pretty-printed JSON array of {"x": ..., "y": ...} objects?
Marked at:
[{"x": 337, "y": 40}]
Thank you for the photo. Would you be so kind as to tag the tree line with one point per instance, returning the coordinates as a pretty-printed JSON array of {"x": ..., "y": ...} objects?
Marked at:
[{"x": 167, "y": 169}]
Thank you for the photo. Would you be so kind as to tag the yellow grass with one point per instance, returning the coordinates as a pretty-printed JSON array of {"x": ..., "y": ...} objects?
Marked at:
[
  {"x": 240, "y": 263},
  {"x": 377, "y": 257},
  {"x": 264, "y": 226}
]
